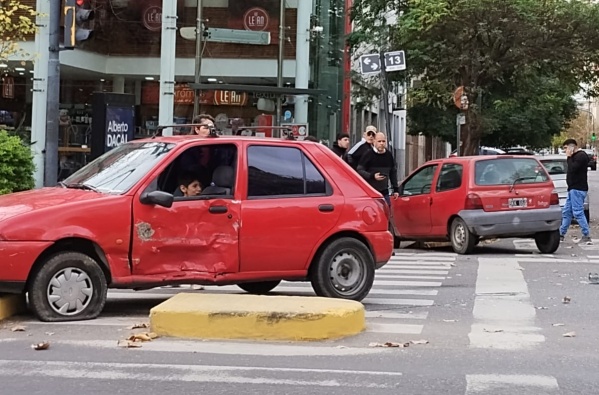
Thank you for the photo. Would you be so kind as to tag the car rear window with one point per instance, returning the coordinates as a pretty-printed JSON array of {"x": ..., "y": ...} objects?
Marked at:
[
  {"x": 555, "y": 166},
  {"x": 506, "y": 171}
]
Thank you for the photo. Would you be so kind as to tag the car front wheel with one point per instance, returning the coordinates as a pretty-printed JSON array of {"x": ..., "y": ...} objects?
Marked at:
[
  {"x": 69, "y": 286},
  {"x": 462, "y": 240},
  {"x": 259, "y": 288},
  {"x": 344, "y": 269},
  {"x": 547, "y": 242}
]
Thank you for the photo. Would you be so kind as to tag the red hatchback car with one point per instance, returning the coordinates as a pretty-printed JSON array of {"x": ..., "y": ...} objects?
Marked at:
[
  {"x": 466, "y": 199},
  {"x": 270, "y": 210}
]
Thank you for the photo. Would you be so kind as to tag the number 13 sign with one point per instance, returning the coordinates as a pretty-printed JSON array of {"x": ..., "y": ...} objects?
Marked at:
[{"x": 395, "y": 61}]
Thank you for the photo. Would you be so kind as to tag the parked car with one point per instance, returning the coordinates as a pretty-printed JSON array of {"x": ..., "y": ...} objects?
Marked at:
[
  {"x": 482, "y": 151},
  {"x": 467, "y": 199},
  {"x": 270, "y": 210},
  {"x": 557, "y": 167},
  {"x": 518, "y": 151},
  {"x": 592, "y": 158}
]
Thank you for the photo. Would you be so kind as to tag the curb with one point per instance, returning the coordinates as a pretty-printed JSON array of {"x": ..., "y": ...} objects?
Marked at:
[
  {"x": 209, "y": 316},
  {"x": 11, "y": 305}
]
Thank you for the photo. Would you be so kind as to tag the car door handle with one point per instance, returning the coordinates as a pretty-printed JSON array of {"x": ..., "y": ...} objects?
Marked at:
[
  {"x": 218, "y": 209},
  {"x": 326, "y": 208}
]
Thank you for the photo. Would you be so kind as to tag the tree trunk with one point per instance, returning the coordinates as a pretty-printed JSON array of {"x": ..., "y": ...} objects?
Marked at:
[{"x": 470, "y": 135}]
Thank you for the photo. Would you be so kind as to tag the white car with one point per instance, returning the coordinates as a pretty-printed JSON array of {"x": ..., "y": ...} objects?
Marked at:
[{"x": 557, "y": 167}]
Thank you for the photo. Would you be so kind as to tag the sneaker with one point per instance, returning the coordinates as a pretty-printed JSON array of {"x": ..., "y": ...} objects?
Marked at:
[
  {"x": 562, "y": 238},
  {"x": 586, "y": 240}
]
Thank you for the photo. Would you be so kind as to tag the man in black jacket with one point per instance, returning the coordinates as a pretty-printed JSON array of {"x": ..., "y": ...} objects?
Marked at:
[
  {"x": 355, "y": 154},
  {"x": 341, "y": 145},
  {"x": 378, "y": 167},
  {"x": 578, "y": 187}
]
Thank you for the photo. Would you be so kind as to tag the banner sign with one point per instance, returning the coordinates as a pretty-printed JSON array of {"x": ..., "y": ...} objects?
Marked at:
[
  {"x": 256, "y": 15},
  {"x": 120, "y": 125}
]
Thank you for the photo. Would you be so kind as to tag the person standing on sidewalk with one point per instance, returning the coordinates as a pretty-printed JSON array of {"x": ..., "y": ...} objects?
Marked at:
[
  {"x": 578, "y": 188},
  {"x": 378, "y": 167},
  {"x": 341, "y": 145},
  {"x": 355, "y": 154}
]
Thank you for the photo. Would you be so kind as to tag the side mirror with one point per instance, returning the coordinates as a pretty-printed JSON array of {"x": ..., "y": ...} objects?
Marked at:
[{"x": 158, "y": 198}]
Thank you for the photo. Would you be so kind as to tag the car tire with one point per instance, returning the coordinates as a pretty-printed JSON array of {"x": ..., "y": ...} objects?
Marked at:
[
  {"x": 47, "y": 301},
  {"x": 547, "y": 242},
  {"x": 462, "y": 240},
  {"x": 344, "y": 269},
  {"x": 259, "y": 288}
]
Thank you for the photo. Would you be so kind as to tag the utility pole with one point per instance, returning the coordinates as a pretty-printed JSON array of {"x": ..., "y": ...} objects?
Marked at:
[
  {"x": 53, "y": 97},
  {"x": 280, "y": 60},
  {"x": 198, "y": 62}
]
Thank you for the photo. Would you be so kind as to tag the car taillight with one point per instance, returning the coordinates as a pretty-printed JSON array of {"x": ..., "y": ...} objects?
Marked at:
[
  {"x": 554, "y": 198},
  {"x": 473, "y": 202}
]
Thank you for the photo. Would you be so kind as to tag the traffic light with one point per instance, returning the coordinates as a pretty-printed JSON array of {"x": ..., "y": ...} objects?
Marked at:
[
  {"x": 593, "y": 137},
  {"x": 74, "y": 18}
]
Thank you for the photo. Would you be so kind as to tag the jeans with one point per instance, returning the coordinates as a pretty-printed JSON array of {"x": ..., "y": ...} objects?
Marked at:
[
  {"x": 574, "y": 207},
  {"x": 386, "y": 196}
]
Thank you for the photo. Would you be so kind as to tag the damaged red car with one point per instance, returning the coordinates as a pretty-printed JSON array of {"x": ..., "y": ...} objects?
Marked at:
[{"x": 268, "y": 210}]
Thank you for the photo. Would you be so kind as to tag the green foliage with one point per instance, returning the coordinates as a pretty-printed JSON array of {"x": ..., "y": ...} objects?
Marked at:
[
  {"x": 16, "y": 164},
  {"x": 520, "y": 61}
]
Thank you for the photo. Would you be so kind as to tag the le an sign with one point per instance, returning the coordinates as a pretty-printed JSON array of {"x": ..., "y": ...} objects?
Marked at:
[{"x": 256, "y": 19}]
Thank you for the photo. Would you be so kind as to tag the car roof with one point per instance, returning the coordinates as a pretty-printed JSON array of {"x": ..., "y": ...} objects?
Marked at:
[
  {"x": 186, "y": 139},
  {"x": 466, "y": 159},
  {"x": 552, "y": 157}
]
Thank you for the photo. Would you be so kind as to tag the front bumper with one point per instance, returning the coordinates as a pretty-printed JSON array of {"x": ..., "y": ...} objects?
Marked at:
[
  {"x": 514, "y": 223},
  {"x": 16, "y": 260}
]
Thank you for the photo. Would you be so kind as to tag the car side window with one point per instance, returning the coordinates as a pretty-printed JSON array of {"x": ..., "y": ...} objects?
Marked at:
[
  {"x": 450, "y": 177},
  {"x": 200, "y": 172},
  {"x": 282, "y": 171},
  {"x": 420, "y": 182}
]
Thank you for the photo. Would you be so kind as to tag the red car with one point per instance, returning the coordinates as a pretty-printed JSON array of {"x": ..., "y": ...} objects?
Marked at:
[
  {"x": 270, "y": 210},
  {"x": 466, "y": 199}
]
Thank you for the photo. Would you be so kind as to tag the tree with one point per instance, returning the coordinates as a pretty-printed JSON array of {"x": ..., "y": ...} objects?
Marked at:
[
  {"x": 496, "y": 51},
  {"x": 16, "y": 164},
  {"x": 17, "y": 21}
]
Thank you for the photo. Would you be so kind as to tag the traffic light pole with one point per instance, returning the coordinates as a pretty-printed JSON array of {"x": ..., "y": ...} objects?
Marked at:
[{"x": 53, "y": 97}]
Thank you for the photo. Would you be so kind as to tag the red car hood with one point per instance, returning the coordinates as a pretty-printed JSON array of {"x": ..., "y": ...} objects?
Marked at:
[{"x": 36, "y": 199}]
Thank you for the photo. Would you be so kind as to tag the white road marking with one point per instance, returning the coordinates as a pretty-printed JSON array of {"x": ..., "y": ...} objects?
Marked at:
[
  {"x": 394, "y": 266},
  {"x": 403, "y": 271},
  {"x": 402, "y": 277},
  {"x": 408, "y": 283},
  {"x": 491, "y": 383},
  {"x": 394, "y": 328},
  {"x": 525, "y": 244},
  {"x": 504, "y": 317},
  {"x": 402, "y": 302},
  {"x": 416, "y": 315}
]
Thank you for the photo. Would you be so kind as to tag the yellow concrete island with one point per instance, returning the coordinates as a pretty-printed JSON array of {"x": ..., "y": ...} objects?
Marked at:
[
  {"x": 213, "y": 316},
  {"x": 11, "y": 305}
]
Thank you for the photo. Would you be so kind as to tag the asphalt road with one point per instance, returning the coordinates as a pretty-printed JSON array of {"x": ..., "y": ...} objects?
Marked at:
[{"x": 494, "y": 323}]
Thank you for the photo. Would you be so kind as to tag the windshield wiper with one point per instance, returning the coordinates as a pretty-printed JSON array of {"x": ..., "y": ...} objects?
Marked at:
[
  {"x": 520, "y": 179},
  {"x": 80, "y": 185}
]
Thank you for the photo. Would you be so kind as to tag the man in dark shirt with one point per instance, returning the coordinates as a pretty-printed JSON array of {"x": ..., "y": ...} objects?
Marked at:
[
  {"x": 354, "y": 155},
  {"x": 341, "y": 145},
  {"x": 378, "y": 167},
  {"x": 578, "y": 188}
]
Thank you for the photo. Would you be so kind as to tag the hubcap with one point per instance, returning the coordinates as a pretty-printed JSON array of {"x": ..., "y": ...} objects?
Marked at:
[
  {"x": 70, "y": 291},
  {"x": 347, "y": 273},
  {"x": 459, "y": 235}
]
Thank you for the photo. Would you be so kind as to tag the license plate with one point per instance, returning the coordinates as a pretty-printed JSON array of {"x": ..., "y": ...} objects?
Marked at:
[{"x": 517, "y": 202}]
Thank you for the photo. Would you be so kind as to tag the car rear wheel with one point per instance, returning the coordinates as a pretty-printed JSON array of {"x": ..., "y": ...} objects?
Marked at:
[
  {"x": 462, "y": 240},
  {"x": 69, "y": 286},
  {"x": 547, "y": 242},
  {"x": 344, "y": 269},
  {"x": 259, "y": 288}
]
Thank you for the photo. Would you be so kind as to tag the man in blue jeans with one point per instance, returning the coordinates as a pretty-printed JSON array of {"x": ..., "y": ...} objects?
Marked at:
[{"x": 578, "y": 188}]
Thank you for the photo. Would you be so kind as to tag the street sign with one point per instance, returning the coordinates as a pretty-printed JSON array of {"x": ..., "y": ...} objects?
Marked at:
[
  {"x": 395, "y": 61},
  {"x": 370, "y": 64}
]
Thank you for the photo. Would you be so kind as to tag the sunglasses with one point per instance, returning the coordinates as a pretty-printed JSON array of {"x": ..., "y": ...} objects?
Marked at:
[{"x": 370, "y": 133}]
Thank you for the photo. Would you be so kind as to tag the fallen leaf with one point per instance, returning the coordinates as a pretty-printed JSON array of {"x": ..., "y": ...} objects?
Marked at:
[
  {"x": 18, "y": 328},
  {"x": 41, "y": 346},
  {"x": 493, "y": 330},
  {"x": 569, "y": 334},
  {"x": 450, "y": 320},
  {"x": 389, "y": 345},
  {"x": 49, "y": 333},
  {"x": 566, "y": 300},
  {"x": 558, "y": 325},
  {"x": 419, "y": 341},
  {"x": 142, "y": 337},
  {"x": 128, "y": 344},
  {"x": 140, "y": 326}
]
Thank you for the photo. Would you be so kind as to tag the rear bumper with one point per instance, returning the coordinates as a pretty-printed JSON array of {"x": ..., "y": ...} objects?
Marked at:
[
  {"x": 512, "y": 223},
  {"x": 382, "y": 247}
]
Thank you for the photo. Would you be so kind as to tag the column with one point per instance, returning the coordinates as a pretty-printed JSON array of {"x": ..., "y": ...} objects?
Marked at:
[
  {"x": 302, "y": 58},
  {"x": 118, "y": 84},
  {"x": 167, "y": 65},
  {"x": 40, "y": 91}
]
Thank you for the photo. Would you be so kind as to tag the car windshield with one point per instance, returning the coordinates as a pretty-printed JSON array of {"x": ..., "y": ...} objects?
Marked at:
[
  {"x": 509, "y": 171},
  {"x": 555, "y": 166},
  {"x": 120, "y": 168}
]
